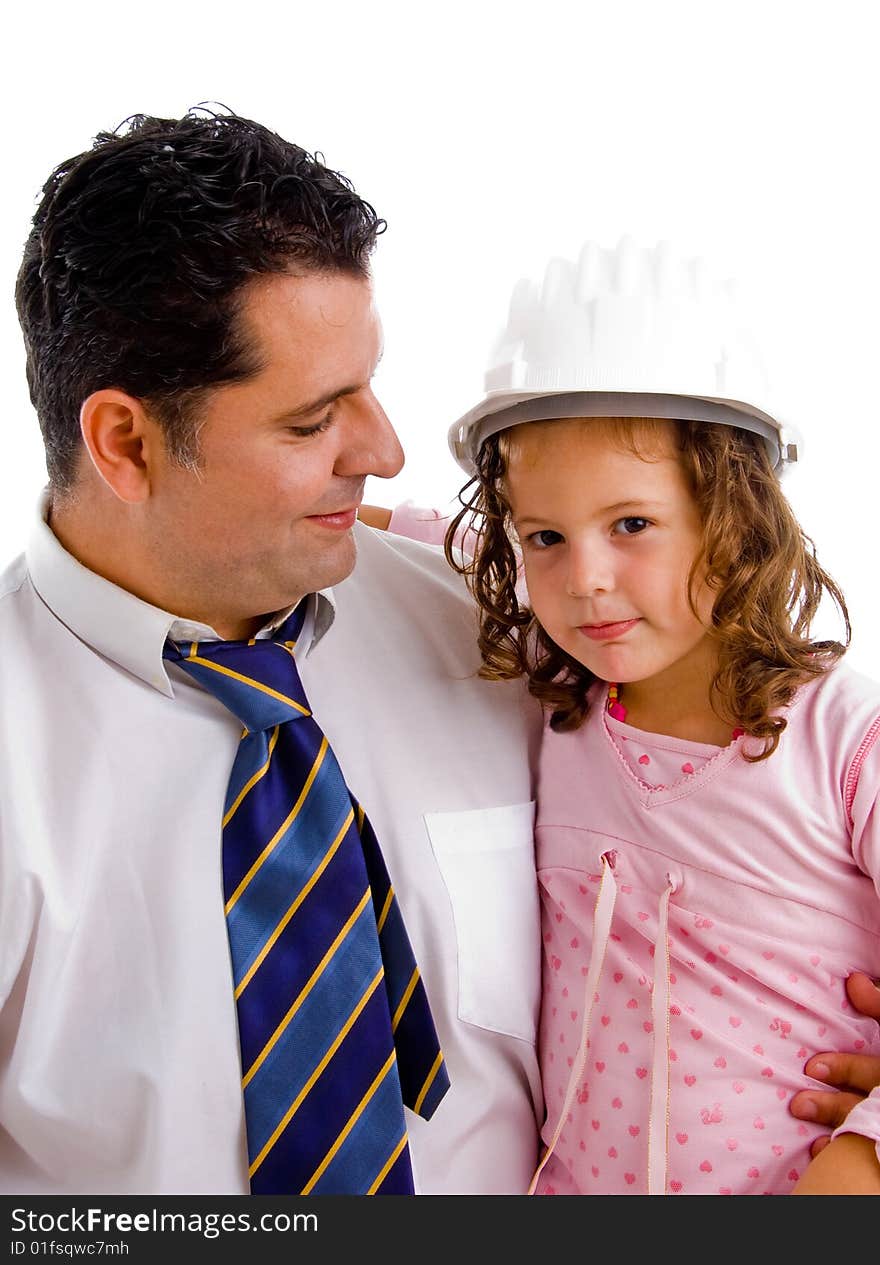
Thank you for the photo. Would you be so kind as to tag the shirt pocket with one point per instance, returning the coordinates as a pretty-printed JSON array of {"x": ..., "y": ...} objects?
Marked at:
[{"x": 486, "y": 857}]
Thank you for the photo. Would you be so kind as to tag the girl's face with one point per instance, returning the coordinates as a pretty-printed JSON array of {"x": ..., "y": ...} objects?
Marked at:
[{"x": 608, "y": 540}]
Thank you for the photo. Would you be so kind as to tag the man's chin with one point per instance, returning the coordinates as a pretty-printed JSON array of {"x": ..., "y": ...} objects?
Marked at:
[{"x": 336, "y": 566}]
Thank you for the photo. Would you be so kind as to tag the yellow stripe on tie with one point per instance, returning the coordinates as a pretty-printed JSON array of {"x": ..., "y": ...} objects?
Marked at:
[
  {"x": 404, "y": 1001},
  {"x": 282, "y": 829},
  {"x": 247, "y": 680},
  {"x": 429, "y": 1082},
  {"x": 348, "y": 1126},
  {"x": 258, "y": 961},
  {"x": 384, "y": 914},
  {"x": 307, "y": 988},
  {"x": 253, "y": 781},
  {"x": 391, "y": 1161},
  {"x": 360, "y": 817},
  {"x": 306, "y": 1089}
]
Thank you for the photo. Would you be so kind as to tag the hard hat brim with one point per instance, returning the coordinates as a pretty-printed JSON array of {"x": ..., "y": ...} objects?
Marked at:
[{"x": 501, "y": 410}]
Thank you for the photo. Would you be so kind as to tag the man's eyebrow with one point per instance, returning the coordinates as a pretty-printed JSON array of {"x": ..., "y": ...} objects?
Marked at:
[{"x": 314, "y": 406}]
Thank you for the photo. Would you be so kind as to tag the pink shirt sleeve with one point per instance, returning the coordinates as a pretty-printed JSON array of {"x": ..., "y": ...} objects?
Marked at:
[
  {"x": 864, "y": 1119},
  {"x": 861, "y": 792},
  {"x": 416, "y": 523},
  {"x": 430, "y": 526},
  {"x": 861, "y": 795}
]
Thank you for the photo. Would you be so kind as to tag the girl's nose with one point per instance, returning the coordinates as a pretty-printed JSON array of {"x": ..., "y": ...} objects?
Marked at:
[{"x": 589, "y": 572}]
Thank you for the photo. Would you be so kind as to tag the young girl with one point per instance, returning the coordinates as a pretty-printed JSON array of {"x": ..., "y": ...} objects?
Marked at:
[{"x": 708, "y": 850}]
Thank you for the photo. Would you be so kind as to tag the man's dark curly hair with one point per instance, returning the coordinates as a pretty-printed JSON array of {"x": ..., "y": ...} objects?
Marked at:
[{"x": 138, "y": 257}]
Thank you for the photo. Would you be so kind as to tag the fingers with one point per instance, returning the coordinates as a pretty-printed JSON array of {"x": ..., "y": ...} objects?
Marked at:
[
  {"x": 864, "y": 994},
  {"x": 825, "y": 1108},
  {"x": 854, "y": 1074},
  {"x": 859, "y": 1072}
]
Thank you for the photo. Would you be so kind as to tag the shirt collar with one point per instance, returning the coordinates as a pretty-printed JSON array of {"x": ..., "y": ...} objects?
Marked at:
[{"x": 122, "y": 627}]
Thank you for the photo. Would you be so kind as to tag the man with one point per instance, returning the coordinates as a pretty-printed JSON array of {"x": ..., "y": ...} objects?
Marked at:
[{"x": 201, "y": 336}]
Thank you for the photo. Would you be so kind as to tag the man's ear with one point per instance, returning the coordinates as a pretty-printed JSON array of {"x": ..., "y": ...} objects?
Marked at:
[{"x": 123, "y": 442}]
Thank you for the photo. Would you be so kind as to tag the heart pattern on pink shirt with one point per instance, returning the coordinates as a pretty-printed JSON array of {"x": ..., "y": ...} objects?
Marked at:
[{"x": 747, "y": 1159}]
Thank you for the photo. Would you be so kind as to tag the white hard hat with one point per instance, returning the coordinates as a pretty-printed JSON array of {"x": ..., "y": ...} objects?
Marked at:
[{"x": 626, "y": 333}]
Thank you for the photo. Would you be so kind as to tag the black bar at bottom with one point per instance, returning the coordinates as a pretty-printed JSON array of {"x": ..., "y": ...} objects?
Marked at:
[{"x": 447, "y": 1229}]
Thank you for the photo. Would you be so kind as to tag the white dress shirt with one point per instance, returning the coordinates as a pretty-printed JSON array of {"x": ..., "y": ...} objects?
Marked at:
[{"x": 119, "y": 1056}]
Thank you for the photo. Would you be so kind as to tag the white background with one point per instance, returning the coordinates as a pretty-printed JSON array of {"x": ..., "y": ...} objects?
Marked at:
[{"x": 494, "y": 135}]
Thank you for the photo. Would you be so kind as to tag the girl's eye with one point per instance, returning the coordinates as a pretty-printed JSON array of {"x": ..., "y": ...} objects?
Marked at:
[
  {"x": 631, "y": 526},
  {"x": 544, "y": 539}
]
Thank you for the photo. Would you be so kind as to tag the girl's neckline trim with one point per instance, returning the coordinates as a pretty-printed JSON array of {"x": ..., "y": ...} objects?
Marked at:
[
  {"x": 684, "y": 745},
  {"x": 718, "y": 758}
]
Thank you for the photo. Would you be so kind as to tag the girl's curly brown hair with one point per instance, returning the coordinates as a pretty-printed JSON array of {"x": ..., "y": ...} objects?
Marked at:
[{"x": 754, "y": 555}]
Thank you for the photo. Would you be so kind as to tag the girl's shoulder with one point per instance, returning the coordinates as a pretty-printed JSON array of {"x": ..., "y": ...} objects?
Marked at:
[{"x": 841, "y": 703}]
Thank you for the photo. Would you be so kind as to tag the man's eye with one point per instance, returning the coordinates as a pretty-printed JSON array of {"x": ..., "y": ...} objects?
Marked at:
[
  {"x": 303, "y": 432},
  {"x": 544, "y": 539},
  {"x": 631, "y": 526}
]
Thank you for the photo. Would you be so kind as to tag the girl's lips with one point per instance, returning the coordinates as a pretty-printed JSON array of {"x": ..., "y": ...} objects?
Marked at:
[
  {"x": 607, "y": 632},
  {"x": 337, "y": 522}
]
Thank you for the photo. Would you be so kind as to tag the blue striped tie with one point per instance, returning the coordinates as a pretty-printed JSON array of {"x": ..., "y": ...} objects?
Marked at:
[{"x": 334, "y": 1025}]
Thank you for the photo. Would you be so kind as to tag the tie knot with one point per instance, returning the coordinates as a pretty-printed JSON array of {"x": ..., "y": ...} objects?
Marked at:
[{"x": 257, "y": 680}]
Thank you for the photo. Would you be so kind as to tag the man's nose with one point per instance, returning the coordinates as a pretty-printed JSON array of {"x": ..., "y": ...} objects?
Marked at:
[
  {"x": 372, "y": 445},
  {"x": 590, "y": 570}
]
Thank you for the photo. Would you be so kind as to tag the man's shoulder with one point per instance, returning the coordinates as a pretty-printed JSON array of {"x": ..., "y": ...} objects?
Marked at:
[
  {"x": 16, "y": 623},
  {"x": 12, "y": 580},
  {"x": 405, "y": 612},
  {"x": 403, "y": 596},
  {"x": 410, "y": 568}
]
